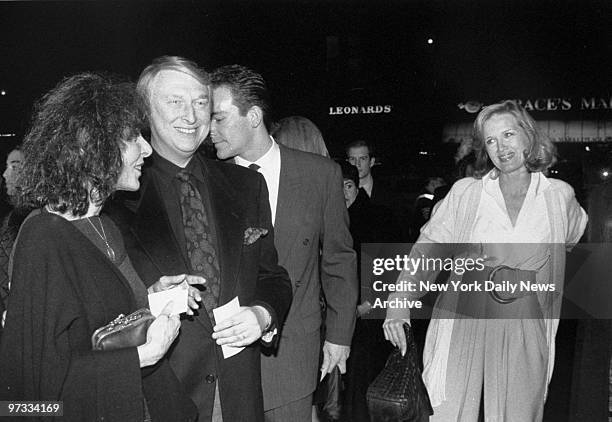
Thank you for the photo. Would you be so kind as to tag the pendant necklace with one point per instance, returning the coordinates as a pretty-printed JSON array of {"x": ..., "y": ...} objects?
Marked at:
[{"x": 109, "y": 251}]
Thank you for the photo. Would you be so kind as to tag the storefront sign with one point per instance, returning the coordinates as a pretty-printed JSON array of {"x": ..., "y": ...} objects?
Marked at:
[
  {"x": 370, "y": 109},
  {"x": 550, "y": 104},
  {"x": 557, "y": 131}
]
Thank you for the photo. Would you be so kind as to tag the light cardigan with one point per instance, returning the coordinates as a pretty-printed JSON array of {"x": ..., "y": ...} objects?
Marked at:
[{"x": 453, "y": 222}]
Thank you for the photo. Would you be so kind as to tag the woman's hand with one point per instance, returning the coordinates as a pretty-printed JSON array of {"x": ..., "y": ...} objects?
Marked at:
[
  {"x": 394, "y": 332},
  {"x": 160, "y": 336},
  {"x": 171, "y": 281}
]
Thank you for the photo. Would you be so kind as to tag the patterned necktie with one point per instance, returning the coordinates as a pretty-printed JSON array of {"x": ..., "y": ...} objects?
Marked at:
[
  {"x": 200, "y": 251},
  {"x": 254, "y": 166}
]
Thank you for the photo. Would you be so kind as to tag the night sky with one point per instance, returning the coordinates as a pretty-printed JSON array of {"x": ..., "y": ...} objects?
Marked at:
[{"x": 319, "y": 54}]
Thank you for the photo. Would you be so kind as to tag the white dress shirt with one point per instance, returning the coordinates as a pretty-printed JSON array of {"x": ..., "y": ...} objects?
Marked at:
[
  {"x": 269, "y": 166},
  {"x": 524, "y": 245}
]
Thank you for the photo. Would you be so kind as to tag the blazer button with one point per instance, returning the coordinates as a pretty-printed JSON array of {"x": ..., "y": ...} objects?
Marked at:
[
  {"x": 210, "y": 378},
  {"x": 306, "y": 242}
]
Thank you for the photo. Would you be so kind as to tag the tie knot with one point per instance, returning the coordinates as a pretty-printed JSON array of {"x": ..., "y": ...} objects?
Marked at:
[
  {"x": 183, "y": 175},
  {"x": 254, "y": 166}
]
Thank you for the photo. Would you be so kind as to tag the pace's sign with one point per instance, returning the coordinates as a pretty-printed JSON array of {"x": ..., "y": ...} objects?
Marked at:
[
  {"x": 556, "y": 130},
  {"x": 364, "y": 109},
  {"x": 550, "y": 104}
]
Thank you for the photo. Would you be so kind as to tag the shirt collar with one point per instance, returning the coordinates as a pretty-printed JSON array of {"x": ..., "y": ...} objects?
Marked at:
[
  {"x": 538, "y": 184},
  {"x": 170, "y": 170},
  {"x": 265, "y": 161}
]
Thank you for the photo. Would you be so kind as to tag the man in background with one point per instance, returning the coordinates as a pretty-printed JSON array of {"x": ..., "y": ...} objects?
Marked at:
[{"x": 9, "y": 227}]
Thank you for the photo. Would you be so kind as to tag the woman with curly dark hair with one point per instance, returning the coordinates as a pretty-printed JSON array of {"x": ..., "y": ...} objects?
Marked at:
[{"x": 71, "y": 274}]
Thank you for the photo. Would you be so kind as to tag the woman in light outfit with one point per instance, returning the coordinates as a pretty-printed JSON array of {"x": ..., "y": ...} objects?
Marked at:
[{"x": 517, "y": 217}]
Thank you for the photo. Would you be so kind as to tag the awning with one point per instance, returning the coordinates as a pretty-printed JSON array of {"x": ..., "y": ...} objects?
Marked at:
[{"x": 557, "y": 130}]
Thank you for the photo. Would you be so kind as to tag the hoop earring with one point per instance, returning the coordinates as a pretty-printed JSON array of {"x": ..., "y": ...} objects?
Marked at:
[{"x": 94, "y": 195}]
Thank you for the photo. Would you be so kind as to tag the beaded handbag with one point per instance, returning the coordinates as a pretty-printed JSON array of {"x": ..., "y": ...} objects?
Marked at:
[{"x": 124, "y": 331}]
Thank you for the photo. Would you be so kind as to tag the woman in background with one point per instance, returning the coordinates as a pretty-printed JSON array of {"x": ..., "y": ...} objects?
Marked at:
[{"x": 298, "y": 132}]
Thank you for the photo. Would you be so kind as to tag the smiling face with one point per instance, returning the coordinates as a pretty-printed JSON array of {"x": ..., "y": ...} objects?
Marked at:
[
  {"x": 506, "y": 143},
  {"x": 180, "y": 115},
  {"x": 133, "y": 153},
  {"x": 231, "y": 132}
]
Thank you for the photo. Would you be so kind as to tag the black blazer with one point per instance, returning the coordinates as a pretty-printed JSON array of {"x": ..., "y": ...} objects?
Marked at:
[{"x": 238, "y": 200}]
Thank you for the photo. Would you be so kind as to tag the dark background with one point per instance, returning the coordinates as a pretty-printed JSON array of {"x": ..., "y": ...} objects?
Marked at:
[
  {"x": 321, "y": 54},
  {"x": 318, "y": 54}
]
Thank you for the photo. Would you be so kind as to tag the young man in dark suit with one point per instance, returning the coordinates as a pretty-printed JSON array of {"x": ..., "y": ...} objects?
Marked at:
[
  {"x": 311, "y": 235},
  {"x": 212, "y": 219}
]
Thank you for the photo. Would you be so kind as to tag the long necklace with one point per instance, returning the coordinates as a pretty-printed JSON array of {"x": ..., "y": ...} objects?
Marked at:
[{"x": 109, "y": 251}]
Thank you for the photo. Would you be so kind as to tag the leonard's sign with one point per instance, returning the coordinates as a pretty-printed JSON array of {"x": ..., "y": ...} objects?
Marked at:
[{"x": 360, "y": 109}]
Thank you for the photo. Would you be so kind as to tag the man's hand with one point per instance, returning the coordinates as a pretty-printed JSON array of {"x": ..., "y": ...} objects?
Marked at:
[
  {"x": 240, "y": 330},
  {"x": 171, "y": 281},
  {"x": 364, "y": 308},
  {"x": 334, "y": 355}
]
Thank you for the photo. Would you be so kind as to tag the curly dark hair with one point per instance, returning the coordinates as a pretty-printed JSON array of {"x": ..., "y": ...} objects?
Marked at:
[{"x": 72, "y": 152}]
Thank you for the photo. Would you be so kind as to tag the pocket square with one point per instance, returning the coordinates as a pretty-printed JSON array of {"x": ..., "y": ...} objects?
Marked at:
[{"x": 253, "y": 233}]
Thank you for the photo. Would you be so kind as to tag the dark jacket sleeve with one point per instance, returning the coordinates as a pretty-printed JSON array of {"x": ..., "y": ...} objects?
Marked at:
[
  {"x": 274, "y": 290},
  {"x": 46, "y": 351},
  {"x": 338, "y": 264}
]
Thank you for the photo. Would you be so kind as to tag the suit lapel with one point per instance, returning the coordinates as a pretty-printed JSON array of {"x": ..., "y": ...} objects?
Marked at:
[
  {"x": 229, "y": 228},
  {"x": 289, "y": 205},
  {"x": 154, "y": 233}
]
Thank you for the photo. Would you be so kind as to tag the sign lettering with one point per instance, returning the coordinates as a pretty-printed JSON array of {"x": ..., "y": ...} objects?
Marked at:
[{"x": 370, "y": 109}]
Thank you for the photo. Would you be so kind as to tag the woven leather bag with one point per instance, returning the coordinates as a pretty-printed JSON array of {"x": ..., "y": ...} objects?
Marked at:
[
  {"x": 124, "y": 331},
  {"x": 398, "y": 393}
]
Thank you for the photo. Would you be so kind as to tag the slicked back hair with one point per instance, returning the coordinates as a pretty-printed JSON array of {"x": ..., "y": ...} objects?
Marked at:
[{"x": 248, "y": 89}]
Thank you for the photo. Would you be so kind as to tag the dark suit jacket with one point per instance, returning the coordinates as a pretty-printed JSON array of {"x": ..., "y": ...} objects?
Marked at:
[
  {"x": 315, "y": 246},
  {"x": 237, "y": 201}
]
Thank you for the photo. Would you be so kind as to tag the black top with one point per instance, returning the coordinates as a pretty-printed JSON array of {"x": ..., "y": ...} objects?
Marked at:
[
  {"x": 106, "y": 227},
  {"x": 370, "y": 222},
  {"x": 63, "y": 289}
]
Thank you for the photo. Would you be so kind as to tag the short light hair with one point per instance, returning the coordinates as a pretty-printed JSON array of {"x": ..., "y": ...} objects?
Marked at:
[
  {"x": 541, "y": 153},
  {"x": 360, "y": 143},
  {"x": 176, "y": 63}
]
